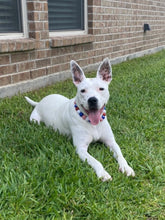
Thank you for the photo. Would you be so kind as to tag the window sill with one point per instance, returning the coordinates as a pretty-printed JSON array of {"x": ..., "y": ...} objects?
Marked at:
[
  {"x": 15, "y": 45},
  {"x": 65, "y": 41}
]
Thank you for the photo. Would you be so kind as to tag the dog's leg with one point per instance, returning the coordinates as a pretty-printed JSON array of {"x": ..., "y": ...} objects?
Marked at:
[
  {"x": 109, "y": 140},
  {"x": 81, "y": 150},
  {"x": 95, "y": 164},
  {"x": 123, "y": 165},
  {"x": 35, "y": 116}
]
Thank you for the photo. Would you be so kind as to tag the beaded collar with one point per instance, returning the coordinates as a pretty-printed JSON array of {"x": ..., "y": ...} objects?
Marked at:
[{"x": 85, "y": 117}]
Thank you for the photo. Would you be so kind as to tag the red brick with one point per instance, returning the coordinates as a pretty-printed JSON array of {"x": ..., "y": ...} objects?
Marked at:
[
  {"x": 43, "y": 16},
  {"x": 11, "y": 46},
  {"x": 30, "y": 6},
  {"x": 43, "y": 62},
  {"x": 39, "y": 54},
  {"x": 4, "y": 59},
  {"x": 3, "y": 46},
  {"x": 34, "y": 16},
  {"x": 44, "y": 35},
  {"x": 5, "y": 80},
  {"x": 19, "y": 57},
  {"x": 8, "y": 69},
  {"x": 38, "y": 73},
  {"x": 38, "y": 6},
  {"x": 39, "y": 45},
  {"x": 53, "y": 69},
  {"x": 35, "y": 35},
  {"x": 20, "y": 77},
  {"x": 46, "y": 26},
  {"x": 23, "y": 66},
  {"x": 36, "y": 26},
  {"x": 19, "y": 46},
  {"x": 45, "y": 6}
]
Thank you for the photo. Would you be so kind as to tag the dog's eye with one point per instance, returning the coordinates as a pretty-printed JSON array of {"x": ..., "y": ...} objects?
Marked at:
[
  {"x": 82, "y": 90},
  {"x": 101, "y": 89}
]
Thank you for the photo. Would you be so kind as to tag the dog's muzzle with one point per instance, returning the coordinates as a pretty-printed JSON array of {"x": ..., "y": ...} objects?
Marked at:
[{"x": 93, "y": 103}]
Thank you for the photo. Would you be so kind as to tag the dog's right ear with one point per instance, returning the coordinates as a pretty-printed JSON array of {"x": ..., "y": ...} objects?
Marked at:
[
  {"x": 77, "y": 73},
  {"x": 104, "y": 71}
]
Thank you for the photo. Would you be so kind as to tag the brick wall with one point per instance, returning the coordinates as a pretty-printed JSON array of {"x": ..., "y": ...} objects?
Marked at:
[{"x": 115, "y": 29}]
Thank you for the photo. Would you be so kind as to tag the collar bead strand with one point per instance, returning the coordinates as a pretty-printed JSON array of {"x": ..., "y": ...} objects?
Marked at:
[{"x": 85, "y": 117}]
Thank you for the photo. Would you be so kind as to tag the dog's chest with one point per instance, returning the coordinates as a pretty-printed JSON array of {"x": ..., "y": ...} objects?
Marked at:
[{"x": 95, "y": 133}]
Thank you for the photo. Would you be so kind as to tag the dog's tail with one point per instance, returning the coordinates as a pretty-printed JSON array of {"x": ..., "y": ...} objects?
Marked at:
[{"x": 31, "y": 102}]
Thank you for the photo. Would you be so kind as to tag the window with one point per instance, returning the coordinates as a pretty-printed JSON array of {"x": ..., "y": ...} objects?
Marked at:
[
  {"x": 13, "y": 21},
  {"x": 67, "y": 16}
]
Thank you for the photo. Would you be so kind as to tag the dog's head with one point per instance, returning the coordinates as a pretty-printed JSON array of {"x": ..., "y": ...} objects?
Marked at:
[{"x": 92, "y": 93}]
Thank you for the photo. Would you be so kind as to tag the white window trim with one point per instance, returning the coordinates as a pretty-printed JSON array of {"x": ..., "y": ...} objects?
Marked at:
[
  {"x": 74, "y": 33},
  {"x": 24, "y": 34}
]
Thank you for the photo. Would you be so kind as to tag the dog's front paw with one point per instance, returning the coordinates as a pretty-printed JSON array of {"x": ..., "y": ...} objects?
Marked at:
[
  {"x": 104, "y": 176},
  {"x": 125, "y": 168},
  {"x": 128, "y": 170}
]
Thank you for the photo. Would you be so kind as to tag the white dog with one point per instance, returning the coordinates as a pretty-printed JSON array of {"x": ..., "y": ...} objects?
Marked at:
[{"x": 83, "y": 117}]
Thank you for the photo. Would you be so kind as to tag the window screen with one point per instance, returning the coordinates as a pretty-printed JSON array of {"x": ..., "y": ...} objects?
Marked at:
[
  {"x": 10, "y": 16},
  {"x": 66, "y": 15}
]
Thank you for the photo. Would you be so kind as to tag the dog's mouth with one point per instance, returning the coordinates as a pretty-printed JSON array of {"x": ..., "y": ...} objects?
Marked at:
[{"x": 94, "y": 115}]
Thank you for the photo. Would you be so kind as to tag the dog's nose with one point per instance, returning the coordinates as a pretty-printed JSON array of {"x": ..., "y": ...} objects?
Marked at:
[{"x": 92, "y": 102}]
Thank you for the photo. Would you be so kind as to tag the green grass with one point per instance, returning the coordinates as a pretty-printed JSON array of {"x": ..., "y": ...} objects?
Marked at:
[{"x": 41, "y": 176}]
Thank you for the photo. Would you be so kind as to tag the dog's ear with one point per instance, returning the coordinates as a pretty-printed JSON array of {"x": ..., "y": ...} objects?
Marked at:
[
  {"x": 77, "y": 73},
  {"x": 104, "y": 71}
]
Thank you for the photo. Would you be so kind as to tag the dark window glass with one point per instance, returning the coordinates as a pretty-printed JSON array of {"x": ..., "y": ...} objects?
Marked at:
[
  {"x": 10, "y": 16},
  {"x": 66, "y": 15}
]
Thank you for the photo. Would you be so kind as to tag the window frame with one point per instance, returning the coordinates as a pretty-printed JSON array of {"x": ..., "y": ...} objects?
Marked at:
[
  {"x": 74, "y": 33},
  {"x": 24, "y": 34}
]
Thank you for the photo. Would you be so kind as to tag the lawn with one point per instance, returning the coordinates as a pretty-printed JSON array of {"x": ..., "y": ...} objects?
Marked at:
[{"x": 41, "y": 176}]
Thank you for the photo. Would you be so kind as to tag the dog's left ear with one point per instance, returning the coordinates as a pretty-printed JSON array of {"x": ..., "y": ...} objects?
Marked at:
[
  {"x": 77, "y": 73},
  {"x": 104, "y": 71}
]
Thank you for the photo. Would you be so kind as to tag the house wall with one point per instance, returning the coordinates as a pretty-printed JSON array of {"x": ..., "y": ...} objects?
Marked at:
[{"x": 115, "y": 30}]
